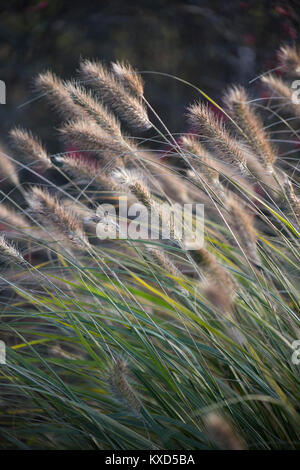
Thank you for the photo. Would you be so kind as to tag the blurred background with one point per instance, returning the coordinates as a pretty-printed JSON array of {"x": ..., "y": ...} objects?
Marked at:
[{"x": 209, "y": 43}]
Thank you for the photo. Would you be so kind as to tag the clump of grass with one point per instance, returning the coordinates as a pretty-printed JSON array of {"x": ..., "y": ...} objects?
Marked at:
[{"x": 208, "y": 332}]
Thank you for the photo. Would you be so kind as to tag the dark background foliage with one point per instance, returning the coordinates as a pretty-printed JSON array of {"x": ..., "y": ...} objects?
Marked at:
[{"x": 209, "y": 43}]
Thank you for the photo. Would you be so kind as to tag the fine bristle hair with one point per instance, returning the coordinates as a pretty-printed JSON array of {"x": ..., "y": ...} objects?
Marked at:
[
  {"x": 220, "y": 431},
  {"x": 29, "y": 146},
  {"x": 7, "y": 250},
  {"x": 81, "y": 211},
  {"x": 12, "y": 218},
  {"x": 289, "y": 60},
  {"x": 281, "y": 92},
  {"x": 7, "y": 168},
  {"x": 120, "y": 387},
  {"x": 94, "y": 108},
  {"x": 112, "y": 92},
  {"x": 130, "y": 79},
  {"x": 242, "y": 112},
  {"x": 88, "y": 169},
  {"x": 218, "y": 296},
  {"x": 219, "y": 279},
  {"x": 171, "y": 183},
  {"x": 293, "y": 199},
  {"x": 56, "y": 93},
  {"x": 212, "y": 129},
  {"x": 132, "y": 180},
  {"x": 63, "y": 220},
  {"x": 163, "y": 260},
  {"x": 200, "y": 158},
  {"x": 89, "y": 136},
  {"x": 243, "y": 228},
  {"x": 277, "y": 85}
]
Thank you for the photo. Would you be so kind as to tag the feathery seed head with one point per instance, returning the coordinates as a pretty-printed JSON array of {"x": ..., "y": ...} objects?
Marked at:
[
  {"x": 94, "y": 108},
  {"x": 9, "y": 251},
  {"x": 134, "y": 182},
  {"x": 125, "y": 177},
  {"x": 213, "y": 269},
  {"x": 89, "y": 170},
  {"x": 57, "y": 94},
  {"x": 242, "y": 112},
  {"x": 293, "y": 199},
  {"x": 203, "y": 160},
  {"x": 62, "y": 220},
  {"x": 289, "y": 59},
  {"x": 218, "y": 296},
  {"x": 120, "y": 387},
  {"x": 277, "y": 86},
  {"x": 282, "y": 91},
  {"x": 212, "y": 128},
  {"x": 221, "y": 432},
  {"x": 30, "y": 146},
  {"x": 163, "y": 260},
  {"x": 112, "y": 92},
  {"x": 7, "y": 168},
  {"x": 131, "y": 80},
  {"x": 242, "y": 224},
  {"x": 89, "y": 136},
  {"x": 10, "y": 216}
]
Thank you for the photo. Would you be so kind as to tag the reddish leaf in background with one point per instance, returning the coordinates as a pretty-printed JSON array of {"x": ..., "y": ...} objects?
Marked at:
[{"x": 281, "y": 11}]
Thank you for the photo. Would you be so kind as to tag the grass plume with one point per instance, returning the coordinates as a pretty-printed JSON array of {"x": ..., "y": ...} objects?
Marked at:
[
  {"x": 242, "y": 112},
  {"x": 212, "y": 129},
  {"x": 113, "y": 93},
  {"x": 30, "y": 147}
]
